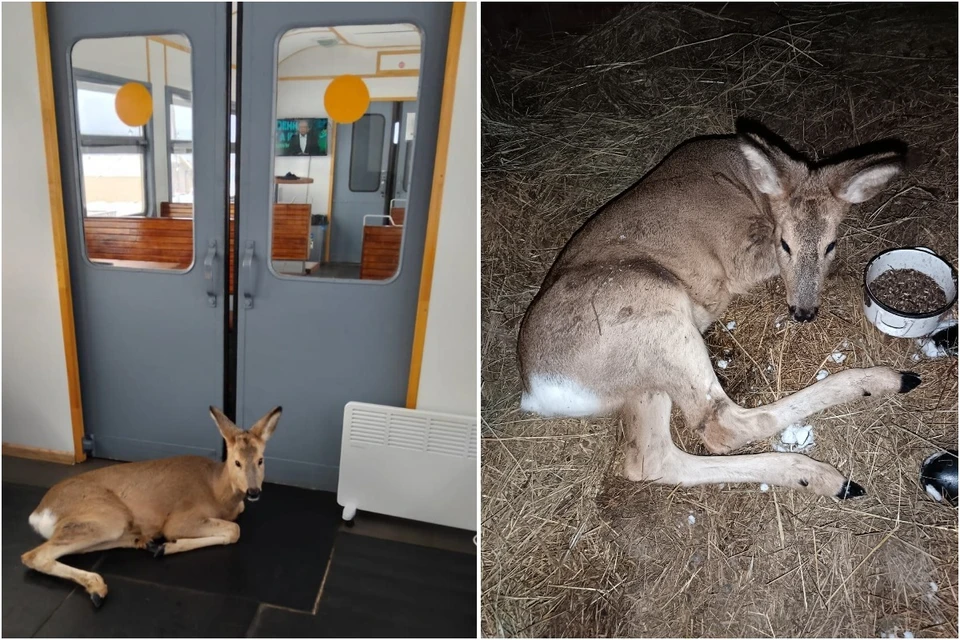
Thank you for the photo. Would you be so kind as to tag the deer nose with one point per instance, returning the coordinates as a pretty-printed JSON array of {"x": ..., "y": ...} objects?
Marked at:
[
  {"x": 804, "y": 315},
  {"x": 253, "y": 494}
]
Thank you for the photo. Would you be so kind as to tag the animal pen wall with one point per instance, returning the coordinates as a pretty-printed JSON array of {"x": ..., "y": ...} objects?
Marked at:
[{"x": 42, "y": 404}]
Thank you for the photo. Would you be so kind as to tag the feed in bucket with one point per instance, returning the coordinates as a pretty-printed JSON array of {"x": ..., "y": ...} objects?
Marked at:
[{"x": 907, "y": 291}]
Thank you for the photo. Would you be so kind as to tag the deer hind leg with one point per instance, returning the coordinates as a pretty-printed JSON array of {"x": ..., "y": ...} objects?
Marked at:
[
  {"x": 186, "y": 532},
  {"x": 80, "y": 535},
  {"x": 651, "y": 455},
  {"x": 724, "y": 426}
]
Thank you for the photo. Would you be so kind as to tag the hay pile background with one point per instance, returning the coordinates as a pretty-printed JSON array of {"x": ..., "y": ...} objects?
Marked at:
[{"x": 570, "y": 549}]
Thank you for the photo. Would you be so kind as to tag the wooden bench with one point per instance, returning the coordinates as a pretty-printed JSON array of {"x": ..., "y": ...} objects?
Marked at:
[
  {"x": 157, "y": 240},
  {"x": 380, "y": 252},
  {"x": 380, "y": 256}
]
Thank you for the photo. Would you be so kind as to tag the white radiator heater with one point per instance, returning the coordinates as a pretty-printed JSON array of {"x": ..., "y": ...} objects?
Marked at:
[{"x": 409, "y": 464}]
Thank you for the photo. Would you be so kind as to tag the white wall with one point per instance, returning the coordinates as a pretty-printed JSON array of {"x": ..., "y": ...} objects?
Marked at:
[
  {"x": 36, "y": 402},
  {"x": 448, "y": 379}
]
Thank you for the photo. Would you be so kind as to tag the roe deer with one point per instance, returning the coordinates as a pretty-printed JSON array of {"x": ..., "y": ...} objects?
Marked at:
[
  {"x": 189, "y": 501},
  {"x": 617, "y": 323}
]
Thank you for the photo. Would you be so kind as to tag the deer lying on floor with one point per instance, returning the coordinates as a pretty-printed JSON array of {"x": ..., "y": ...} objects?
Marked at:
[
  {"x": 189, "y": 501},
  {"x": 618, "y": 320}
]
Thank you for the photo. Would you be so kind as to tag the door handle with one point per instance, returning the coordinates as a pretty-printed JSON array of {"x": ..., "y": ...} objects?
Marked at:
[
  {"x": 210, "y": 273},
  {"x": 250, "y": 276}
]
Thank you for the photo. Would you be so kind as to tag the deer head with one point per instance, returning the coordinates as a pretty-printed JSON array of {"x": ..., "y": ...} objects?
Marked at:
[
  {"x": 244, "y": 464},
  {"x": 807, "y": 202}
]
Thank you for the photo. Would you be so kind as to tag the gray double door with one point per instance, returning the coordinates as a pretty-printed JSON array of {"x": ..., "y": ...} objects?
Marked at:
[{"x": 154, "y": 343}]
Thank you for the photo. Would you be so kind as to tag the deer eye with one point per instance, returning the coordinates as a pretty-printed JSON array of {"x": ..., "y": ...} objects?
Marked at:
[
  {"x": 260, "y": 462},
  {"x": 785, "y": 246},
  {"x": 236, "y": 462},
  {"x": 830, "y": 247}
]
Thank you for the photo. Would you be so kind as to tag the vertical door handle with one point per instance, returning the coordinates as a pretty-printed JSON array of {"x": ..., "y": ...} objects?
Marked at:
[
  {"x": 249, "y": 276},
  {"x": 210, "y": 273}
]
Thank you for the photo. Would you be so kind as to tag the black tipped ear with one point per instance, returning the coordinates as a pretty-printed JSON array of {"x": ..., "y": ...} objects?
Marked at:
[
  {"x": 772, "y": 170},
  {"x": 857, "y": 181},
  {"x": 266, "y": 425},
  {"x": 228, "y": 430}
]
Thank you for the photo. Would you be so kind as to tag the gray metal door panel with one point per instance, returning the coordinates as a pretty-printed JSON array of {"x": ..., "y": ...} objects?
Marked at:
[
  {"x": 150, "y": 346},
  {"x": 349, "y": 207},
  {"x": 309, "y": 344}
]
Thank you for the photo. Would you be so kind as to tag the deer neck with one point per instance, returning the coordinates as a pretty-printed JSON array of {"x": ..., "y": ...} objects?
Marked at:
[{"x": 223, "y": 491}]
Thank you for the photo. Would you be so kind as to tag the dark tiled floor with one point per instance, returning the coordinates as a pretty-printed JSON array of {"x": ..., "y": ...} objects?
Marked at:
[
  {"x": 266, "y": 585},
  {"x": 136, "y": 609},
  {"x": 381, "y": 588}
]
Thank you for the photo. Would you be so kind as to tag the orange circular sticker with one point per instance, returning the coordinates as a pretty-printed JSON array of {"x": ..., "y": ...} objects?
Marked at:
[
  {"x": 134, "y": 104},
  {"x": 346, "y": 99}
]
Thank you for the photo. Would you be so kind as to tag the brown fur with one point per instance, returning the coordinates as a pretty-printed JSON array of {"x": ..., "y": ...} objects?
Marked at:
[
  {"x": 714, "y": 219},
  {"x": 188, "y": 500}
]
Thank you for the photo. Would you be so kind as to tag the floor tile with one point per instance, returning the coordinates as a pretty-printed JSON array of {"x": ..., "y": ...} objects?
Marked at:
[
  {"x": 285, "y": 542},
  {"x": 136, "y": 609},
  {"x": 382, "y": 588},
  {"x": 46, "y": 474}
]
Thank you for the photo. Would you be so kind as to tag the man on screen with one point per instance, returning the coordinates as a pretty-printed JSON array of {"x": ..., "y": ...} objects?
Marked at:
[{"x": 304, "y": 142}]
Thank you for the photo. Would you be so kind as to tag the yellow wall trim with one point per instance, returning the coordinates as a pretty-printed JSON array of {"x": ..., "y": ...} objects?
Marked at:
[
  {"x": 379, "y": 74},
  {"x": 147, "y": 45},
  {"x": 36, "y": 453},
  {"x": 169, "y": 43},
  {"x": 436, "y": 197},
  {"x": 48, "y": 113}
]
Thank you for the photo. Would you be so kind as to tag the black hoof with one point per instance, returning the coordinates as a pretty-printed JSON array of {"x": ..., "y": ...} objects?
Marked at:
[
  {"x": 156, "y": 547},
  {"x": 96, "y": 600},
  {"x": 851, "y": 490},
  {"x": 908, "y": 381},
  {"x": 348, "y": 523}
]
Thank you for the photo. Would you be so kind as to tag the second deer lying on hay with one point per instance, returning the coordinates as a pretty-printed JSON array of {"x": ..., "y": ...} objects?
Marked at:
[
  {"x": 189, "y": 501},
  {"x": 618, "y": 320}
]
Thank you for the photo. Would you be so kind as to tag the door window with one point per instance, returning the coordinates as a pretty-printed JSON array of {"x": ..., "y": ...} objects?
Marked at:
[
  {"x": 135, "y": 145},
  {"x": 338, "y": 156}
]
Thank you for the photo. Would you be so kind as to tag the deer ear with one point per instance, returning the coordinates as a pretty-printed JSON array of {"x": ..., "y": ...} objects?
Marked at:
[
  {"x": 228, "y": 430},
  {"x": 771, "y": 170},
  {"x": 857, "y": 181},
  {"x": 265, "y": 426}
]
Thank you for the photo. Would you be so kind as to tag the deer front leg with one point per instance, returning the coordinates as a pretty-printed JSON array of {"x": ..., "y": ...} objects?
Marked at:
[{"x": 188, "y": 532}]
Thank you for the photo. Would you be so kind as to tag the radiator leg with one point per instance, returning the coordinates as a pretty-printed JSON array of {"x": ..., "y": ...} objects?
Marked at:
[{"x": 349, "y": 511}]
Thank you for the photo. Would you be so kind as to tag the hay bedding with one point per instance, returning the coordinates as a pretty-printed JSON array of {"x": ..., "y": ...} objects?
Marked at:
[{"x": 569, "y": 548}]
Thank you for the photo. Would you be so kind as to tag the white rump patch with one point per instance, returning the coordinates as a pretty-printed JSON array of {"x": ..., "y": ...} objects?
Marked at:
[
  {"x": 43, "y": 522},
  {"x": 558, "y": 396}
]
